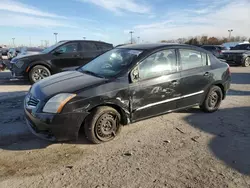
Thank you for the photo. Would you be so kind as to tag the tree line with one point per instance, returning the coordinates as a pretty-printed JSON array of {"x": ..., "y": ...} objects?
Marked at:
[{"x": 206, "y": 40}]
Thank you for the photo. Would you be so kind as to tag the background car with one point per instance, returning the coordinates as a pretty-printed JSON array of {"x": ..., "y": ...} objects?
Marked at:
[
  {"x": 65, "y": 55},
  {"x": 30, "y": 51},
  {"x": 4, "y": 51},
  {"x": 126, "y": 84},
  {"x": 217, "y": 50},
  {"x": 13, "y": 52},
  {"x": 238, "y": 55}
]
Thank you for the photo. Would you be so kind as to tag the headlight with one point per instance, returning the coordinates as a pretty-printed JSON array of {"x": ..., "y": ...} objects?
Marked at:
[
  {"x": 19, "y": 64},
  {"x": 56, "y": 103}
]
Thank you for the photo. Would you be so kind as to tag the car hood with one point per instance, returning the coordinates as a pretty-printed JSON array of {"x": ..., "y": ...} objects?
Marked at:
[
  {"x": 65, "y": 82},
  {"x": 28, "y": 55},
  {"x": 234, "y": 52}
]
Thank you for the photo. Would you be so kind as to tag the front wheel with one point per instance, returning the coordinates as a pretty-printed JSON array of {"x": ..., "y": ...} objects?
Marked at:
[
  {"x": 38, "y": 72},
  {"x": 102, "y": 125},
  {"x": 246, "y": 62},
  {"x": 213, "y": 100}
]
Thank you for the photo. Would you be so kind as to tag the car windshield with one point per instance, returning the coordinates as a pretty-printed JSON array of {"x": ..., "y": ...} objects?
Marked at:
[
  {"x": 110, "y": 63},
  {"x": 49, "y": 49},
  {"x": 223, "y": 48}
]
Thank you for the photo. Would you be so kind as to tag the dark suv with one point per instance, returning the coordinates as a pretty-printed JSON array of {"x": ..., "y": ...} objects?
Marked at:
[
  {"x": 238, "y": 55},
  {"x": 216, "y": 50},
  {"x": 65, "y": 55}
]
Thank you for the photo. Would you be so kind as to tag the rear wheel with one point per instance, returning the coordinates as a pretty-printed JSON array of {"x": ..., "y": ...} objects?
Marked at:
[
  {"x": 38, "y": 72},
  {"x": 213, "y": 100},
  {"x": 246, "y": 62},
  {"x": 102, "y": 125}
]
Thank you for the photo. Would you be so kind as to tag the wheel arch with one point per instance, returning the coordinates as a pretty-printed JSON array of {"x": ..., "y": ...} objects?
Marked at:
[
  {"x": 35, "y": 63},
  {"x": 220, "y": 85},
  {"x": 119, "y": 109}
]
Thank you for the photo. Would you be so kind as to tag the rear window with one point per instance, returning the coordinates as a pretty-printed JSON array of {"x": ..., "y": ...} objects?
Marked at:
[
  {"x": 209, "y": 47},
  {"x": 192, "y": 59},
  {"x": 102, "y": 46},
  {"x": 88, "y": 46}
]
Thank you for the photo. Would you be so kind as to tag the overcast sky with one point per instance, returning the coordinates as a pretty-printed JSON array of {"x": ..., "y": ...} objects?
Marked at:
[{"x": 111, "y": 20}]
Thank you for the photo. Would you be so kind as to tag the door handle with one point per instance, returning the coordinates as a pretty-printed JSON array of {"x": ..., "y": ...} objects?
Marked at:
[
  {"x": 76, "y": 55},
  {"x": 206, "y": 74}
]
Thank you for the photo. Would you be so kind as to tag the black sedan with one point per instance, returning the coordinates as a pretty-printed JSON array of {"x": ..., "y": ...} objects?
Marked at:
[{"x": 122, "y": 86}]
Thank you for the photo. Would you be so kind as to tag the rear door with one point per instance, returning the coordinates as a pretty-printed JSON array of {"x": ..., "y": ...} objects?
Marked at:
[
  {"x": 68, "y": 58},
  {"x": 89, "y": 51},
  {"x": 157, "y": 88},
  {"x": 195, "y": 76}
]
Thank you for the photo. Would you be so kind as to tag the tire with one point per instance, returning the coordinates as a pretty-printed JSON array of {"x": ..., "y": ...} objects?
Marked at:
[
  {"x": 102, "y": 125},
  {"x": 38, "y": 72},
  {"x": 213, "y": 100},
  {"x": 246, "y": 62}
]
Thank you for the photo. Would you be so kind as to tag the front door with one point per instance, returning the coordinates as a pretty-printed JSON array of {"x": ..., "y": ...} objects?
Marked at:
[
  {"x": 66, "y": 57},
  {"x": 195, "y": 77},
  {"x": 157, "y": 88}
]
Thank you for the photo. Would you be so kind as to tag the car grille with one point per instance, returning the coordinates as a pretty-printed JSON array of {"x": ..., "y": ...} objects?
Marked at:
[
  {"x": 31, "y": 101},
  {"x": 229, "y": 56}
]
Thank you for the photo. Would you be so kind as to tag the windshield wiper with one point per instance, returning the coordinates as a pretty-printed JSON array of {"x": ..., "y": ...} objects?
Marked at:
[{"x": 92, "y": 73}]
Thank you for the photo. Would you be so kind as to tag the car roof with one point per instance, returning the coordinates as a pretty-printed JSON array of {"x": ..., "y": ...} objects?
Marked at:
[
  {"x": 84, "y": 41},
  {"x": 213, "y": 45},
  {"x": 152, "y": 46}
]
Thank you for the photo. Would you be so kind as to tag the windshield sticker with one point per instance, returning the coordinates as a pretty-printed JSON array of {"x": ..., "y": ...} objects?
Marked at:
[{"x": 135, "y": 52}]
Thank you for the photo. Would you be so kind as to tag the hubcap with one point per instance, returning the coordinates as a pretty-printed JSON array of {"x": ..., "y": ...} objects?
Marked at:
[
  {"x": 213, "y": 99},
  {"x": 106, "y": 127},
  {"x": 40, "y": 74}
]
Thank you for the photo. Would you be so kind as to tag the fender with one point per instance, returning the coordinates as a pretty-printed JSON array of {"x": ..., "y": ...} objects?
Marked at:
[{"x": 37, "y": 62}]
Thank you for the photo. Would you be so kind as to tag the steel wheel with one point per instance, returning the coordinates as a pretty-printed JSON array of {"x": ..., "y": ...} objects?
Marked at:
[
  {"x": 106, "y": 127},
  {"x": 213, "y": 99},
  {"x": 102, "y": 125}
]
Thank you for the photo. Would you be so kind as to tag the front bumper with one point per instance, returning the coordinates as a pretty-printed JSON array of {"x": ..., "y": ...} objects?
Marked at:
[
  {"x": 233, "y": 59},
  {"x": 55, "y": 127}
]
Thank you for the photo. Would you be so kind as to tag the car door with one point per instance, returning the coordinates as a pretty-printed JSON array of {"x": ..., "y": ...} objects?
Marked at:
[
  {"x": 88, "y": 52},
  {"x": 66, "y": 57},
  {"x": 195, "y": 76},
  {"x": 156, "y": 88}
]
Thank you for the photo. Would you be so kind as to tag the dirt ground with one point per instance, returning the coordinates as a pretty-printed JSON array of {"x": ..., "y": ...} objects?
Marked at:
[{"x": 184, "y": 149}]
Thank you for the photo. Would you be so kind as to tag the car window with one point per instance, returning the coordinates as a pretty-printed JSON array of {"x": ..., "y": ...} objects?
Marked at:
[
  {"x": 222, "y": 48},
  {"x": 88, "y": 46},
  {"x": 248, "y": 47},
  {"x": 209, "y": 48},
  {"x": 101, "y": 46},
  {"x": 160, "y": 63},
  {"x": 68, "y": 48},
  {"x": 192, "y": 59}
]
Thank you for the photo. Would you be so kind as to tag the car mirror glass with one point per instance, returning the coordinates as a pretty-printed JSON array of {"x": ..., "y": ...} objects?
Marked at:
[{"x": 134, "y": 75}]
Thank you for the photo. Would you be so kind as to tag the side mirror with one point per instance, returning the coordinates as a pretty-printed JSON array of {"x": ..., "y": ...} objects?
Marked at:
[
  {"x": 134, "y": 75},
  {"x": 58, "y": 52}
]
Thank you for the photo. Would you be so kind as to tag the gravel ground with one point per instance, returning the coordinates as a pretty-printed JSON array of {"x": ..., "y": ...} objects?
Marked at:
[{"x": 184, "y": 149}]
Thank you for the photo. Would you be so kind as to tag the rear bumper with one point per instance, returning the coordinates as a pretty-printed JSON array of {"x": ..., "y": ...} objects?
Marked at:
[{"x": 54, "y": 127}]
